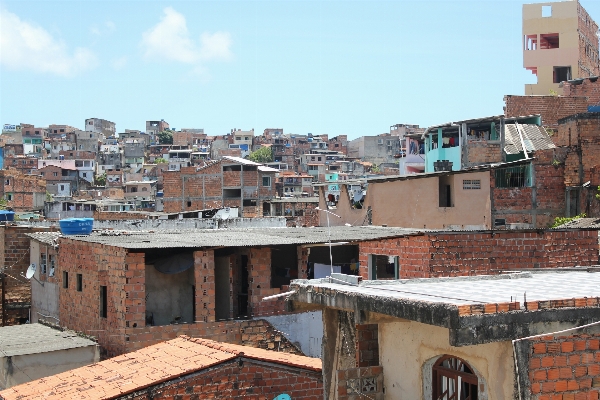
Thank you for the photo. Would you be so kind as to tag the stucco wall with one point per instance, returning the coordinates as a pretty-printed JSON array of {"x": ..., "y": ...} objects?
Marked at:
[
  {"x": 404, "y": 348},
  {"x": 414, "y": 203},
  {"x": 21, "y": 369}
]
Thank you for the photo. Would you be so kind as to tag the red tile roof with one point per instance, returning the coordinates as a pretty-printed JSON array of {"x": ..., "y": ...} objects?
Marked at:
[{"x": 146, "y": 367}]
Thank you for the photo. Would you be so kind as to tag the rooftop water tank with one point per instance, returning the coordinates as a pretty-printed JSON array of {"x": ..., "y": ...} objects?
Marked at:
[{"x": 76, "y": 226}]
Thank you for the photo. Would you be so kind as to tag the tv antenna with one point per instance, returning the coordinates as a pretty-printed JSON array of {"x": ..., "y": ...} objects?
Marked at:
[{"x": 31, "y": 272}]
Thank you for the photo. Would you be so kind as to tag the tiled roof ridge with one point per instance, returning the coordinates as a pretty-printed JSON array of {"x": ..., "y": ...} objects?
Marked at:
[
  {"x": 260, "y": 354},
  {"x": 221, "y": 346}
]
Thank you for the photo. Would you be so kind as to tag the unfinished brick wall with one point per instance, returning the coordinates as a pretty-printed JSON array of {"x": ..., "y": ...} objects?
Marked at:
[
  {"x": 193, "y": 188},
  {"x": 588, "y": 88},
  {"x": 204, "y": 275},
  {"x": 565, "y": 367},
  {"x": 243, "y": 380},
  {"x": 27, "y": 192},
  {"x": 551, "y": 108},
  {"x": 588, "y": 44},
  {"x": 367, "y": 345},
  {"x": 263, "y": 335},
  {"x": 99, "y": 265},
  {"x": 117, "y": 215},
  {"x": 537, "y": 206},
  {"x": 582, "y": 134},
  {"x": 483, "y": 152},
  {"x": 14, "y": 261},
  {"x": 413, "y": 253},
  {"x": 478, "y": 253}
]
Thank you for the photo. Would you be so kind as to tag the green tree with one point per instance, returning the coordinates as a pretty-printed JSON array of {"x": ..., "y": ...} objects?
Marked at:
[
  {"x": 558, "y": 221},
  {"x": 101, "y": 179},
  {"x": 262, "y": 155},
  {"x": 159, "y": 160},
  {"x": 165, "y": 137}
]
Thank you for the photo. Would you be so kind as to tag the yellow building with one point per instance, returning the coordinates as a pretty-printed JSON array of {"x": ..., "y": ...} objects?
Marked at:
[{"x": 559, "y": 44}]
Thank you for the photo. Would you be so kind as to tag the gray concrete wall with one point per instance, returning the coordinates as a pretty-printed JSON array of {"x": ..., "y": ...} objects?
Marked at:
[
  {"x": 44, "y": 299},
  {"x": 17, "y": 370},
  {"x": 304, "y": 330},
  {"x": 169, "y": 296}
]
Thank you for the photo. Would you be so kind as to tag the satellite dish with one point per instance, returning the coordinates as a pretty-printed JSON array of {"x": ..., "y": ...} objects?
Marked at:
[{"x": 30, "y": 271}]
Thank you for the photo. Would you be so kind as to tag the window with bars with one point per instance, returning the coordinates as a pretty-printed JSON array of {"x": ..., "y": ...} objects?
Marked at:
[
  {"x": 453, "y": 379},
  {"x": 517, "y": 176},
  {"x": 471, "y": 184}
]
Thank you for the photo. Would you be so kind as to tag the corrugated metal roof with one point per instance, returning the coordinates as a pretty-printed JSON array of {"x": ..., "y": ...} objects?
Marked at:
[
  {"x": 241, "y": 237},
  {"x": 37, "y": 338},
  {"x": 44, "y": 237},
  {"x": 535, "y": 138},
  {"x": 582, "y": 223}
]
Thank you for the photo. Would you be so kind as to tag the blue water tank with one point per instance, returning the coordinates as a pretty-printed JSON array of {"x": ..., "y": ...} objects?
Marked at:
[
  {"x": 7, "y": 215},
  {"x": 76, "y": 226}
]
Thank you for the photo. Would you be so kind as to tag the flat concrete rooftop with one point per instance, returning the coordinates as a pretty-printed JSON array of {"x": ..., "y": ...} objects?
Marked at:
[
  {"x": 236, "y": 237},
  {"x": 476, "y": 310}
]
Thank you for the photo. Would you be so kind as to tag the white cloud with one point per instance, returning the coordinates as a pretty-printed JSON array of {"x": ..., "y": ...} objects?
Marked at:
[
  {"x": 119, "y": 63},
  {"x": 26, "y": 46},
  {"x": 105, "y": 29},
  {"x": 170, "y": 40}
]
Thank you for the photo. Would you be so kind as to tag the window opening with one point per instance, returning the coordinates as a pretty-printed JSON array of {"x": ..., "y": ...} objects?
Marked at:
[
  {"x": 384, "y": 267},
  {"x": 103, "y": 302},
  {"x": 266, "y": 181},
  {"x": 471, "y": 184},
  {"x": 518, "y": 176},
  {"x": 549, "y": 41},
  {"x": 546, "y": 11},
  {"x": 453, "y": 379},
  {"x": 561, "y": 74},
  {"x": 43, "y": 262},
  {"x": 531, "y": 42},
  {"x": 65, "y": 280},
  {"x": 79, "y": 282},
  {"x": 445, "y": 191}
]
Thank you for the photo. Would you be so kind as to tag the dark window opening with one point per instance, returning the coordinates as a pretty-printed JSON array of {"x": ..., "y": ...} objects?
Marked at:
[
  {"x": 249, "y": 203},
  {"x": 519, "y": 176},
  {"x": 79, "y": 282},
  {"x": 65, "y": 280},
  {"x": 561, "y": 74},
  {"x": 189, "y": 203},
  {"x": 103, "y": 301},
  {"x": 228, "y": 168},
  {"x": 445, "y": 191},
  {"x": 384, "y": 267},
  {"x": 452, "y": 378},
  {"x": 250, "y": 168},
  {"x": 232, "y": 193}
]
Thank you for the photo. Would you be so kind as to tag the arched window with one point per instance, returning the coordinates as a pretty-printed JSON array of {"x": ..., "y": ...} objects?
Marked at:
[{"x": 453, "y": 379}]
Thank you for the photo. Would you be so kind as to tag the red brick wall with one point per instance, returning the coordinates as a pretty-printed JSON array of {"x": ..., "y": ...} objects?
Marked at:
[
  {"x": 581, "y": 133},
  {"x": 250, "y": 380},
  {"x": 23, "y": 189},
  {"x": 367, "y": 345},
  {"x": 588, "y": 44},
  {"x": 201, "y": 187},
  {"x": 479, "y": 253},
  {"x": 590, "y": 89},
  {"x": 517, "y": 205},
  {"x": 566, "y": 367},
  {"x": 483, "y": 152},
  {"x": 551, "y": 108},
  {"x": 14, "y": 260}
]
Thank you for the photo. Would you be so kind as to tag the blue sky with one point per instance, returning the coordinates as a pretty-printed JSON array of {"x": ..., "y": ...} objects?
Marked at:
[{"x": 325, "y": 67}]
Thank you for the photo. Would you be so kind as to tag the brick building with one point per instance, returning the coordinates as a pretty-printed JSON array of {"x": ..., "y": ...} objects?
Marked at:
[
  {"x": 522, "y": 335},
  {"x": 527, "y": 193},
  {"x": 229, "y": 182},
  {"x": 132, "y": 289},
  {"x": 559, "y": 44},
  {"x": 549, "y": 108},
  {"x": 185, "y": 368},
  {"x": 22, "y": 192},
  {"x": 14, "y": 261}
]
